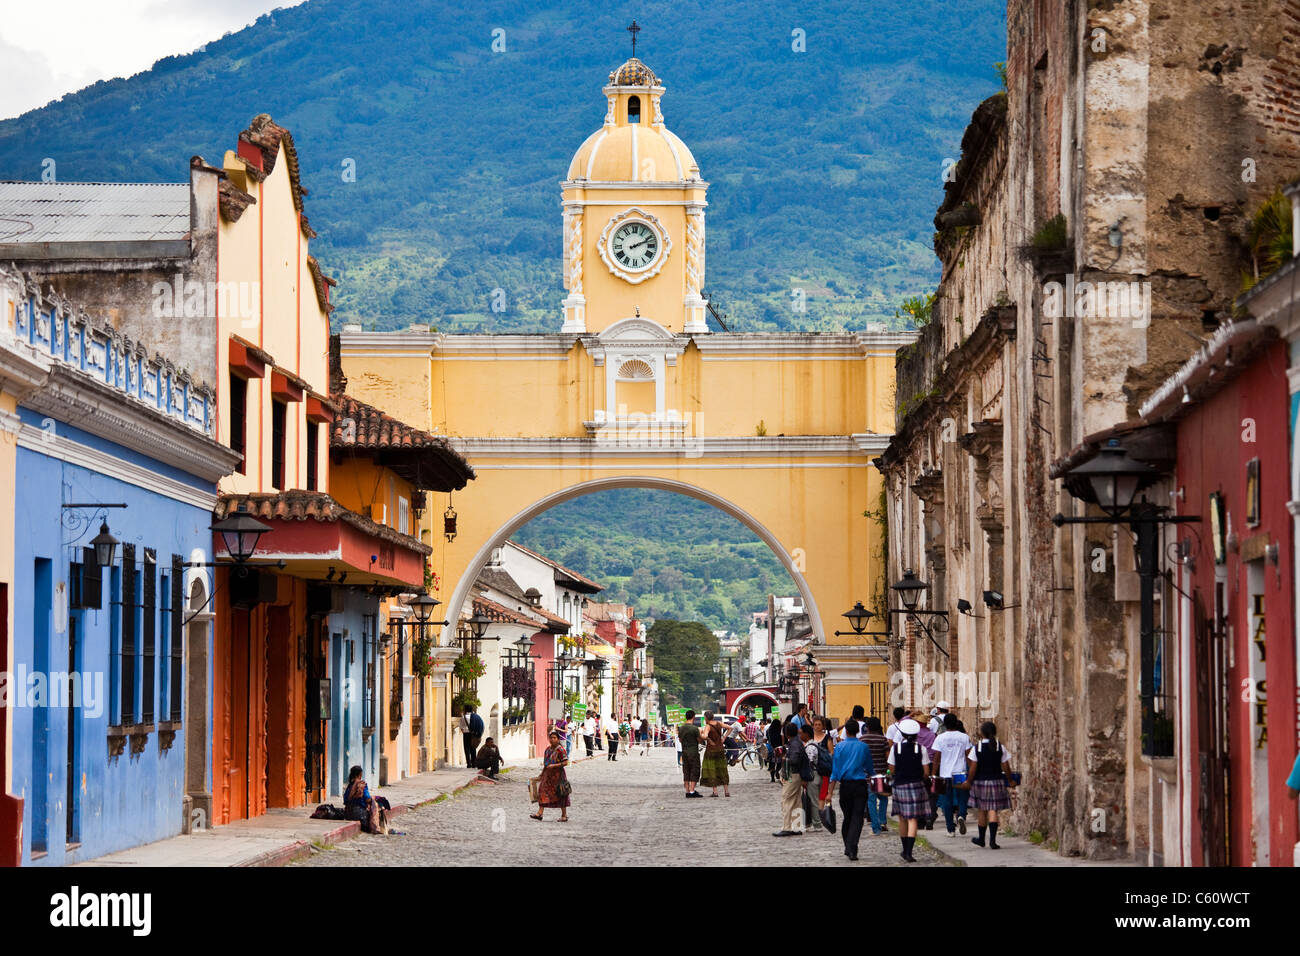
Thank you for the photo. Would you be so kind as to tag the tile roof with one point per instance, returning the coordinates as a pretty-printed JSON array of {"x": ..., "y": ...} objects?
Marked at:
[
  {"x": 93, "y": 212},
  {"x": 580, "y": 579},
  {"x": 500, "y": 580},
  {"x": 425, "y": 460},
  {"x": 499, "y": 612},
  {"x": 310, "y": 506}
]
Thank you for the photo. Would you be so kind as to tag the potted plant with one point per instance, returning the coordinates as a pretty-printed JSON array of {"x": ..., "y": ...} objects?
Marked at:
[{"x": 469, "y": 667}]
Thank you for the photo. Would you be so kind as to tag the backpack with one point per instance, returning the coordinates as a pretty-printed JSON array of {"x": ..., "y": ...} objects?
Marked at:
[{"x": 824, "y": 759}]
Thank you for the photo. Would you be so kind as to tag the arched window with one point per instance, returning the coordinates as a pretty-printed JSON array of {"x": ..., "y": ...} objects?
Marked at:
[{"x": 634, "y": 109}]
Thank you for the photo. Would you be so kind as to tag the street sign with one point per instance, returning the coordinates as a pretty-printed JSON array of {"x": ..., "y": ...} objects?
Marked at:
[{"x": 579, "y": 711}]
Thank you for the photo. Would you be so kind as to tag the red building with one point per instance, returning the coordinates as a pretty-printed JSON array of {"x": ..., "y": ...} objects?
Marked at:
[{"x": 1233, "y": 653}]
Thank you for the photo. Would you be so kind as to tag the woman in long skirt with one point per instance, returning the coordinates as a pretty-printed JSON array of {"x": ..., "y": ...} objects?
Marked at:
[
  {"x": 553, "y": 791},
  {"x": 713, "y": 769},
  {"x": 909, "y": 761},
  {"x": 990, "y": 769}
]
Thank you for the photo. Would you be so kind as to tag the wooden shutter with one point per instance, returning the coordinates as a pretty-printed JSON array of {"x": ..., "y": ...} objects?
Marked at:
[
  {"x": 128, "y": 634},
  {"x": 150, "y": 636},
  {"x": 177, "y": 640},
  {"x": 92, "y": 581}
]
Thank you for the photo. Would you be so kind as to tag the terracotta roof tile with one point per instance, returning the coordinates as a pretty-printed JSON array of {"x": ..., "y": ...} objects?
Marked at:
[{"x": 310, "y": 506}]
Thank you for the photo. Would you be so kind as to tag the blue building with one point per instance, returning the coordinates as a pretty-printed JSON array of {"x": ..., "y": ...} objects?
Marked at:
[{"x": 108, "y": 689}]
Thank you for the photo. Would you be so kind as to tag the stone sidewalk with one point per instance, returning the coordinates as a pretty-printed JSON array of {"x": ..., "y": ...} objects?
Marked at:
[
  {"x": 279, "y": 836},
  {"x": 1013, "y": 850}
]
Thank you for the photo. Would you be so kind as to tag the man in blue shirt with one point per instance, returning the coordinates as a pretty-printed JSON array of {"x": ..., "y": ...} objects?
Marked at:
[{"x": 851, "y": 769}]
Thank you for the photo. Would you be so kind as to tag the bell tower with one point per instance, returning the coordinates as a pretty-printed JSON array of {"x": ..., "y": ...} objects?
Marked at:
[{"x": 633, "y": 216}]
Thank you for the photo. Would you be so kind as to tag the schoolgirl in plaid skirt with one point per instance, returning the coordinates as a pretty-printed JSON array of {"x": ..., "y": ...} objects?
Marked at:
[
  {"x": 990, "y": 768},
  {"x": 910, "y": 763}
]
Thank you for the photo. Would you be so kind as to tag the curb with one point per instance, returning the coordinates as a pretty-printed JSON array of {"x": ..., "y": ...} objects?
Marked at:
[{"x": 301, "y": 848}]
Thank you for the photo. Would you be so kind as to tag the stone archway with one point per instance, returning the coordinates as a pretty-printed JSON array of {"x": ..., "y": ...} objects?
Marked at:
[{"x": 521, "y": 518}]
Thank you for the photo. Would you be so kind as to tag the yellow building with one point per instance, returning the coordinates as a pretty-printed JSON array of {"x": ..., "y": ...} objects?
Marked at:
[{"x": 633, "y": 390}]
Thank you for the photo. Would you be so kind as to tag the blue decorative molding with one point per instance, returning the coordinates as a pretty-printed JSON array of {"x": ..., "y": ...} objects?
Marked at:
[{"x": 50, "y": 325}]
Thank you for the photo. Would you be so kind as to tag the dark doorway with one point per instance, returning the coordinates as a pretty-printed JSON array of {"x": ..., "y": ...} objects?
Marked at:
[
  {"x": 1212, "y": 735},
  {"x": 72, "y": 831}
]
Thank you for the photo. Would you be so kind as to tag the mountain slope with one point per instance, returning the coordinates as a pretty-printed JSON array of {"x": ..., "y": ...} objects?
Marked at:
[
  {"x": 825, "y": 165},
  {"x": 667, "y": 555}
]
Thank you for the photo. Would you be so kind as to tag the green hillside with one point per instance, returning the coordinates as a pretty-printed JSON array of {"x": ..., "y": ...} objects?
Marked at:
[
  {"x": 825, "y": 165},
  {"x": 667, "y": 555}
]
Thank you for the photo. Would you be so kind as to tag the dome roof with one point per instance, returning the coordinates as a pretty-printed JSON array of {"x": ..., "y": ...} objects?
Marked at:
[
  {"x": 633, "y": 73},
  {"x": 636, "y": 147},
  {"x": 633, "y": 153}
]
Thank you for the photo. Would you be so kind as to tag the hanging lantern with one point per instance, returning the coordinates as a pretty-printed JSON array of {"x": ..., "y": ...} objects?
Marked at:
[{"x": 449, "y": 523}]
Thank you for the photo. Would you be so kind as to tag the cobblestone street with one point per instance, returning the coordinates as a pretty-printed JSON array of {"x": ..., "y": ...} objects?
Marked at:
[{"x": 630, "y": 812}]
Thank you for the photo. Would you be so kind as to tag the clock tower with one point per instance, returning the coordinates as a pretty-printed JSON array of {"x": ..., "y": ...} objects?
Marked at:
[{"x": 633, "y": 217}]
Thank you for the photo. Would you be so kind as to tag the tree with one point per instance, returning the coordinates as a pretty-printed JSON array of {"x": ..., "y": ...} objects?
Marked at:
[{"x": 684, "y": 653}]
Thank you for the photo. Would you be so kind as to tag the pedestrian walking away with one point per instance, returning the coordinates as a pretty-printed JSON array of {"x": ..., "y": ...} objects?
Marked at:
[
  {"x": 795, "y": 773},
  {"x": 713, "y": 769},
  {"x": 877, "y": 803},
  {"x": 471, "y": 729},
  {"x": 911, "y": 795},
  {"x": 554, "y": 788},
  {"x": 611, "y": 734},
  {"x": 851, "y": 770},
  {"x": 588, "y": 732},
  {"x": 989, "y": 765},
  {"x": 688, "y": 743},
  {"x": 950, "y": 749}
]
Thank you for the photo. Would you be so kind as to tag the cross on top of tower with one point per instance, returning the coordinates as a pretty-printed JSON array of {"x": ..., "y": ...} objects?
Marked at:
[{"x": 634, "y": 29}]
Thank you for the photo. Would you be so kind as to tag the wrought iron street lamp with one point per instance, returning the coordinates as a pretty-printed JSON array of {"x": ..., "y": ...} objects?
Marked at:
[
  {"x": 478, "y": 624},
  {"x": 1112, "y": 480},
  {"x": 240, "y": 533},
  {"x": 105, "y": 545},
  {"x": 909, "y": 589},
  {"x": 423, "y": 606}
]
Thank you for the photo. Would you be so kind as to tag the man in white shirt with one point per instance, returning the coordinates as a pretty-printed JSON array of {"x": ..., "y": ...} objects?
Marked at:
[
  {"x": 635, "y": 724},
  {"x": 589, "y": 733},
  {"x": 949, "y": 750}
]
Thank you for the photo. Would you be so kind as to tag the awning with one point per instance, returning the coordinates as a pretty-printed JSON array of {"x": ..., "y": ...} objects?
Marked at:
[{"x": 319, "y": 539}]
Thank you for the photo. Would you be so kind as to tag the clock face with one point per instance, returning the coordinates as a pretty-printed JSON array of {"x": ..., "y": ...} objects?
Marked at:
[{"x": 634, "y": 245}]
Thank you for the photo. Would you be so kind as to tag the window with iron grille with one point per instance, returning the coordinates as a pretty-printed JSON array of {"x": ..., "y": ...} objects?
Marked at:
[
  {"x": 127, "y": 656},
  {"x": 149, "y": 637},
  {"x": 177, "y": 635},
  {"x": 370, "y": 650},
  {"x": 115, "y": 648}
]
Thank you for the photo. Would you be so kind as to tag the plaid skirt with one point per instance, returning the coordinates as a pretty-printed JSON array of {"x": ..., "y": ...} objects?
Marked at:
[
  {"x": 990, "y": 794},
  {"x": 911, "y": 800}
]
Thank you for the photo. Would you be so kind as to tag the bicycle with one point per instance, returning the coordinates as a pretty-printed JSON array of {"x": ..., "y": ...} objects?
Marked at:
[{"x": 749, "y": 757}]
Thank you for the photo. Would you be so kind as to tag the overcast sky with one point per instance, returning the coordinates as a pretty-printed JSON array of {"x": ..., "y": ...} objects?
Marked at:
[{"x": 52, "y": 47}]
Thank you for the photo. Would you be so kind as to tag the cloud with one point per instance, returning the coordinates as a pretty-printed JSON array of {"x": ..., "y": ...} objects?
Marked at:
[{"x": 97, "y": 40}]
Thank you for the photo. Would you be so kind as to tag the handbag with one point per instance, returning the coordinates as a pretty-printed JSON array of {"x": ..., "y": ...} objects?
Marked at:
[
  {"x": 534, "y": 786},
  {"x": 563, "y": 789},
  {"x": 880, "y": 785},
  {"x": 828, "y": 818}
]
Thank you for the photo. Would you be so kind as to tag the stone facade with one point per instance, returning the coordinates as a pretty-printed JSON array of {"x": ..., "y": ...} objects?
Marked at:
[{"x": 1154, "y": 134}]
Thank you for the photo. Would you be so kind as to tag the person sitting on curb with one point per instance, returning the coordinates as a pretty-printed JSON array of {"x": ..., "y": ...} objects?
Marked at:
[{"x": 488, "y": 759}]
